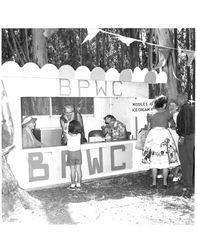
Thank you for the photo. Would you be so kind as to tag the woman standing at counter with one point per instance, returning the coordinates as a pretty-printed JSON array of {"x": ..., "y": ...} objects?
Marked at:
[
  {"x": 160, "y": 150},
  {"x": 69, "y": 114}
]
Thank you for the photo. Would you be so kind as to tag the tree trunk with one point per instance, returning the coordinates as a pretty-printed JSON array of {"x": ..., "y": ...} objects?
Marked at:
[
  {"x": 165, "y": 38},
  {"x": 188, "y": 87},
  {"x": 193, "y": 63},
  {"x": 150, "y": 63},
  {"x": 39, "y": 47},
  {"x": 103, "y": 57},
  {"x": 13, "y": 197},
  {"x": 97, "y": 52},
  {"x": 133, "y": 49},
  {"x": 150, "y": 50},
  {"x": 175, "y": 44},
  {"x": 25, "y": 43}
]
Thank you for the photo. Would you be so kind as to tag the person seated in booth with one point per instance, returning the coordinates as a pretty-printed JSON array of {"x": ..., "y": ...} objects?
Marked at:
[
  {"x": 69, "y": 114},
  {"x": 28, "y": 138},
  {"x": 114, "y": 129}
]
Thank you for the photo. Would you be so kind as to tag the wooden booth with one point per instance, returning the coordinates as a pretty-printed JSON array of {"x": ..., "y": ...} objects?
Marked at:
[{"x": 42, "y": 93}]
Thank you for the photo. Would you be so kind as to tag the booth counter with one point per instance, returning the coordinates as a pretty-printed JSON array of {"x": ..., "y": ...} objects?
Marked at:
[{"x": 44, "y": 167}]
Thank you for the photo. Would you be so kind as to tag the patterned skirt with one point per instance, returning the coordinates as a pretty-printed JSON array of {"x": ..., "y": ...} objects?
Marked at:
[{"x": 160, "y": 150}]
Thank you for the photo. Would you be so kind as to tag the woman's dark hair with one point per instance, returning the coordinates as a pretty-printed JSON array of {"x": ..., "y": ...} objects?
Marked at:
[
  {"x": 74, "y": 127},
  {"x": 160, "y": 101},
  {"x": 110, "y": 117}
]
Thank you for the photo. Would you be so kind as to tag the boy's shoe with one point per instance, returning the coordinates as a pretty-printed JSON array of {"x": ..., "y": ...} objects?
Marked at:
[
  {"x": 159, "y": 176},
  {"x": 71, "y": 187},
  {"x": 78, "y": 186}
]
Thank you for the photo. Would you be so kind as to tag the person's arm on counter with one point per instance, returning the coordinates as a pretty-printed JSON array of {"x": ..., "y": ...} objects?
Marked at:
[
  {"x": 64, "y": 133},
  {"x": 119, "y": 132}
]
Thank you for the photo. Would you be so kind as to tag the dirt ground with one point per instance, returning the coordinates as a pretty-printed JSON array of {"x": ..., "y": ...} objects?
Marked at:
[{"x": 123, "y": 199}]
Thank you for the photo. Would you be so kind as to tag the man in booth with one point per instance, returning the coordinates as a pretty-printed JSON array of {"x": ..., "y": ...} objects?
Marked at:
[
  {"x": 69, "y": 114},
  {"x": 114, "y": 128}
]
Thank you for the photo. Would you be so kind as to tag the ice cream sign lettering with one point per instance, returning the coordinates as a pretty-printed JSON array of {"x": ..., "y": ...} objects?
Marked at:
[{"x": 142, "y": 106}]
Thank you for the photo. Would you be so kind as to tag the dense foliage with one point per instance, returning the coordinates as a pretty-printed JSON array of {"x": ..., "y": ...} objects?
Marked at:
[{"x": 64, "y": 46}]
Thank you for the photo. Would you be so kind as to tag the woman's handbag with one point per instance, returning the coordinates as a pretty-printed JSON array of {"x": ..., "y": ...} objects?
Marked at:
[{"x": 141, "y": 138}]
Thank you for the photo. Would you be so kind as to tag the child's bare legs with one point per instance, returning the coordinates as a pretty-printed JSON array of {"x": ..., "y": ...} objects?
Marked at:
[
  {"x": 72, "y": 174},
  {"x": 165, "y": 176},
  {"x": 154, "y": 176},
  {"x": 79, "y": 174}
]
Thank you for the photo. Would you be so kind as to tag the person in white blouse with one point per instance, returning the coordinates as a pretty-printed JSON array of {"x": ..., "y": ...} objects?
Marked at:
[{"x": 74, "y": 156}]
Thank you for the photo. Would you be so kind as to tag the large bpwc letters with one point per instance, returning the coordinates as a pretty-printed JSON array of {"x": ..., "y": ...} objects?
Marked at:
[
  {"x": 64, "y": 164},
  {"x": 95, "y": 164},
  {"x": 113, "y": 151},
  {"x": 95, "y": 161},
  {"x": 35, "y": 163}
]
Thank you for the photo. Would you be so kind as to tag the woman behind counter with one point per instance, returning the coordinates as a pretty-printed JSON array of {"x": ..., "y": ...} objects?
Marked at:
[
  {"x": 113, "y": 128},
  {"x": 68, "y": 115},
  {"x": 28, "y": 138}
]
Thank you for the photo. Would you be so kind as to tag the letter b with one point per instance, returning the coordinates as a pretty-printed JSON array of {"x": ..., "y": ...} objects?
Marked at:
[{"x": 35, "y": 162}]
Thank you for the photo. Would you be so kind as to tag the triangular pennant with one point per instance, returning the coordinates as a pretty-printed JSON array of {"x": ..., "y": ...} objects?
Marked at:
[
  {"x": 91, "y": 34},
  {"x": 176, "y": 76},
  {"x": 127, "y": 40},
  {"x": 162, "y": 57},
  {"x": 190, "y": 57}
]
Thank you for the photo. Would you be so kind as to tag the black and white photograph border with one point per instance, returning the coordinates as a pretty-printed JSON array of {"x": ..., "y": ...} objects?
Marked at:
[{"x": 116, "y": 185}]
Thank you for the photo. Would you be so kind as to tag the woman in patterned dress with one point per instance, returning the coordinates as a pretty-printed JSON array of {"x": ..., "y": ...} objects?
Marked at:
[{"x": 159, "y": 149}]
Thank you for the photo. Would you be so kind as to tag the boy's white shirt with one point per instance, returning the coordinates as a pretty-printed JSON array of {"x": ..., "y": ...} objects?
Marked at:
[{"x": 74, "y": 142}]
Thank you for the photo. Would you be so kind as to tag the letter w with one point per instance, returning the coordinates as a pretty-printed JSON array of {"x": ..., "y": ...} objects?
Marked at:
[
  {"x": 95, "y": 165},
  {"x": 100, "y": 88}
]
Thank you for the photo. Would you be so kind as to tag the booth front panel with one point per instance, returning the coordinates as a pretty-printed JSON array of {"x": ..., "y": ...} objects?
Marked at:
[{"x": 45, "y": 167}]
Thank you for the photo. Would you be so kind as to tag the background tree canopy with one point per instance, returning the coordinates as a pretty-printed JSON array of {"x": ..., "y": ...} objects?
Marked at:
[{"x": 64, "y": 46}]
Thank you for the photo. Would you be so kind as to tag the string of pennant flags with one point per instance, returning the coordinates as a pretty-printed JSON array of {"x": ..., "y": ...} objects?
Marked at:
[
  {"x": 128, "y": 40},
  {"x": 163, "y": 50}
]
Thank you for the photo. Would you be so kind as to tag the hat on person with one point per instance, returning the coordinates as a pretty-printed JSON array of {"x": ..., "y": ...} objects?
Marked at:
[{"x": 27, "y": 120}]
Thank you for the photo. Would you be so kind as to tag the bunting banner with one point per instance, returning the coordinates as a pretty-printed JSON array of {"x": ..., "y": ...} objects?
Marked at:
[{"x": 163, "y": 51}]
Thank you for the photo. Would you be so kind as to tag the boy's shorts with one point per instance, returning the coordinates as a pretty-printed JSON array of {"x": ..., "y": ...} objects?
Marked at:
[{"x": 74, "y": 157}]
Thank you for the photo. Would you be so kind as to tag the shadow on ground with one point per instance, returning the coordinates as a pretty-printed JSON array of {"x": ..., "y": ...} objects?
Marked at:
[{"x": 55, "y": 200}]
